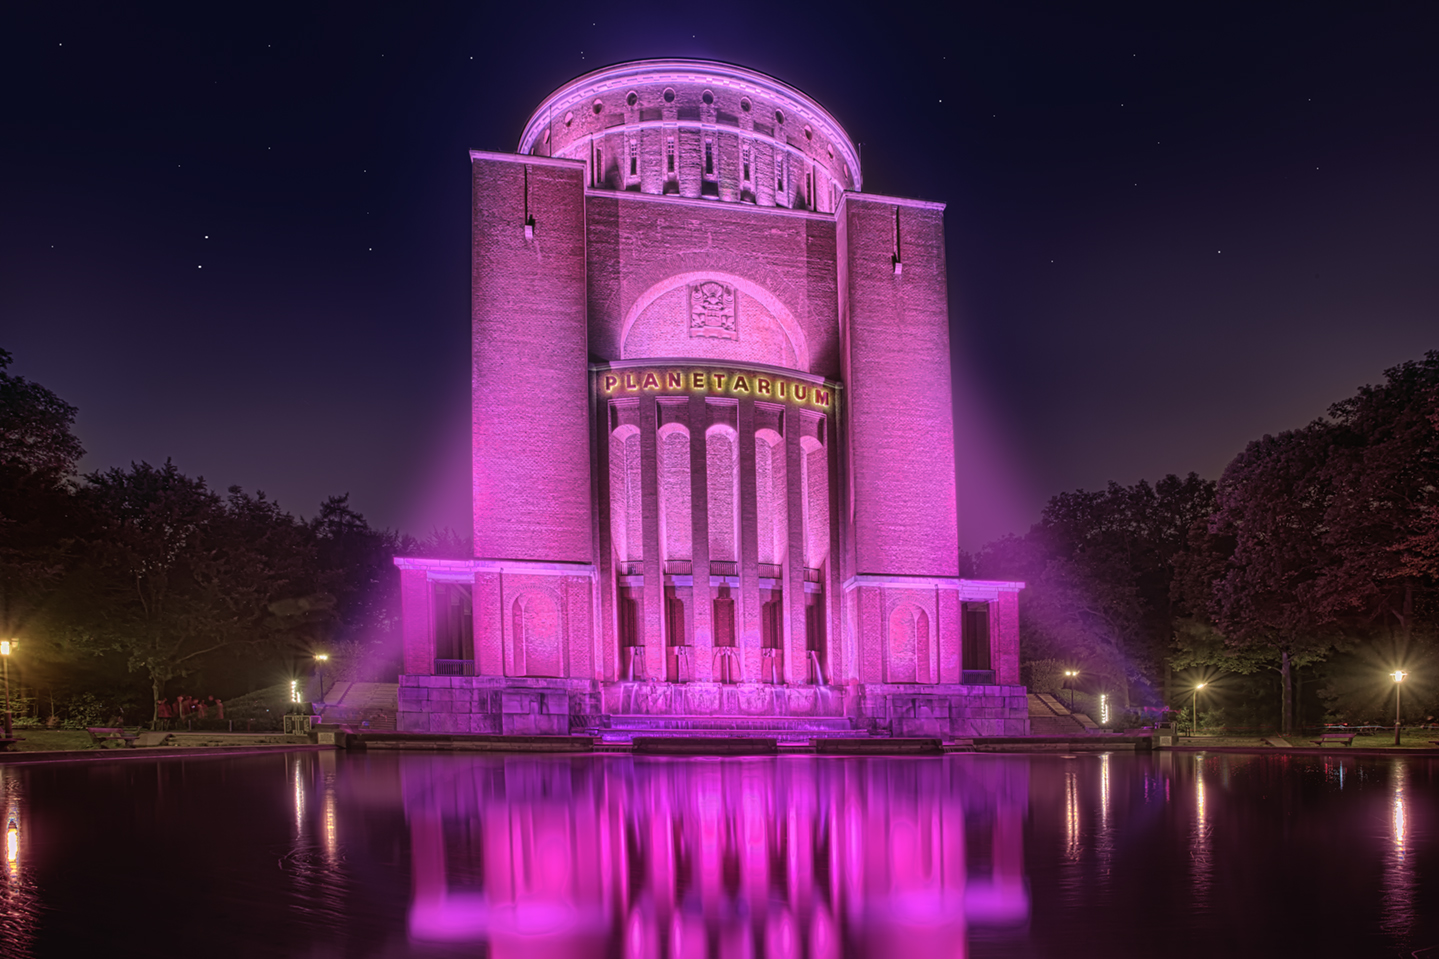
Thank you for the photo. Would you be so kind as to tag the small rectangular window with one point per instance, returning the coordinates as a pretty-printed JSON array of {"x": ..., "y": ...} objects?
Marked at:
[
  {"x": 634, "y": 159},
  {"x": 670, "y": 155},
  {"x": 779, "y": 175},
  {"x": 746, "y": 163},
  {"x": 709, "y": 158}
]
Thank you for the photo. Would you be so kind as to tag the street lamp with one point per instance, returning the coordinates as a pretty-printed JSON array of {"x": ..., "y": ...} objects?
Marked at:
[
  {"x": 6, "y": 646},
  {"x": 1069, "y": 675},
  {"x": 320, "y": 660},
  {"x": 1398, "y": 675},
  {"x": 1194, "y": 710}
]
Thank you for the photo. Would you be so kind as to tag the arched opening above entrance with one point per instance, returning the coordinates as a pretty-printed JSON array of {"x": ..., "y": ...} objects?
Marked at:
[{"x": 713, "y": 316}]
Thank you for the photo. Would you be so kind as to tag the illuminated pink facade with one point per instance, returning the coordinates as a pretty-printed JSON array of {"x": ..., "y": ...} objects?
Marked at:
[
  {"x": 598, "y": 857},
  {"x": 713, "y": 460}
]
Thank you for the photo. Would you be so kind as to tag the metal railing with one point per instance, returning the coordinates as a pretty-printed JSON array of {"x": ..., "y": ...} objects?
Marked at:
[
  {"x": 723, "y": 567},
  {"x": 770, "y": 570},
  {"x": 454, "y": 667},
  {"x": 678, "y": 567},
  {"x": 812, "y": 575},
  {"x": 630, "y": 568}
]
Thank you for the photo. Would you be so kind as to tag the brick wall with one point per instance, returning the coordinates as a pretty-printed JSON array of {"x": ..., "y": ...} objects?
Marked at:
[
  {"x": 901, "y": 435},
  {"x": 530, "y": 350}
]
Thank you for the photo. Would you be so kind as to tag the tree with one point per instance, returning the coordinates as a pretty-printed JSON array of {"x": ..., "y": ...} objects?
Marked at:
[
  {"x": 175, "y": 573},
  {"x": 35, "y": 427},
  {"x": 356, "y": 567},
  {"x": 1383, "y": 513},
  {"x": 1099, "y": 567},
  {"x": 1270, "y": 505},
  {"x": 39, "y": 515}
]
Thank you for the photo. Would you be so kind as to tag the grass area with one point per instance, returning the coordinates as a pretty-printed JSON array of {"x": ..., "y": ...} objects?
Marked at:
[
  {"x": 1410, "y": 739},
  {"x": 38, "y": 740},
  {"x": 44, "y": 740}
]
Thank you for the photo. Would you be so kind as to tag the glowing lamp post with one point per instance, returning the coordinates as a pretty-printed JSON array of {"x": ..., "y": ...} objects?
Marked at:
[
  {"x": 1194, "y": 709},
  {"x": 1069, "y": 675},
  {"x": 320, "y": 660},
  {"x": 6, "y": 647},
  {"x": 1398, "y": 675}
]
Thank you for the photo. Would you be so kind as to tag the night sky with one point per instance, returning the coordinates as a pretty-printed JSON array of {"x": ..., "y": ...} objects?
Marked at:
[{"x": 238, "y": 236}]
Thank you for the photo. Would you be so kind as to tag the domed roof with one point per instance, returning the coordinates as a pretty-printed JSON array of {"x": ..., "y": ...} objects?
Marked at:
[{"x": 700, "y": 94}]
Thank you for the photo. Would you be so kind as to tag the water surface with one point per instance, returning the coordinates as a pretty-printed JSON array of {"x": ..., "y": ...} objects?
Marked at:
[{"x": 390, "y": 854}]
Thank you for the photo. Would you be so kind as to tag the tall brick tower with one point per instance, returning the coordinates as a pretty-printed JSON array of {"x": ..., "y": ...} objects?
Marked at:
[{"x": 714, "y": 484}]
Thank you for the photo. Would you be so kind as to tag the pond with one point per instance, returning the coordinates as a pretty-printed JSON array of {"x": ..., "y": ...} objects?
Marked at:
[{"x": 319, "y": 854}]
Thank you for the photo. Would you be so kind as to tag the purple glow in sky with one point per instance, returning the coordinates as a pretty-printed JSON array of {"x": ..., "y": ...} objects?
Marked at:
[{"x": 243, "y": 243}]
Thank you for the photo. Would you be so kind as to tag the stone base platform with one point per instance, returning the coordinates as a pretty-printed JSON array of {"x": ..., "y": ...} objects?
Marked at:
[
  {"x": 946, "y": 710},
  {"x": 526, "y": 706}
]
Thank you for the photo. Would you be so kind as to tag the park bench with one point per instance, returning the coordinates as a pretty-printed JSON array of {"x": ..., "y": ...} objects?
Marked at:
[
  {"x": 7, "y": 743},
  {"x": 1345, "y": 738},
  {"x": 100, "y": 735}
]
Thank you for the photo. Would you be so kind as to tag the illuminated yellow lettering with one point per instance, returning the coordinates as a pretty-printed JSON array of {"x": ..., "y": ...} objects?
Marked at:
[
  {"x": 699, "y": 381},
  {"x": 674, "y": 381},
  {"x": 821, "y": 397},
  {"x": 801, "y": 392},
  {"x": 719, "y": 379},
  {"x": 740, "y": 383},
  {"x": 611, "y": 381},
  {"x": 651, "y": 382},
  {"x": 761, "y": 385},
  {"x": 630, "y": 382}
]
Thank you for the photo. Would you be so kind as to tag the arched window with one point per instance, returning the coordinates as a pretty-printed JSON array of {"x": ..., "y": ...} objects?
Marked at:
[
  {"x": 626, "y": 501},
  {"x": 722, "y": 451},
  {"x": 814, "y": 491},
  {"x": 771, "y": 507},
  {"x": 675, "y": 527},
  {"x": 535, "y": 625},
  {"x": 910, "y": 654}
]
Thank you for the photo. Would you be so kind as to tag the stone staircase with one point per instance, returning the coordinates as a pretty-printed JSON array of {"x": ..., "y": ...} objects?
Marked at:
[
  {"x": 623, "y": 728},
  {"x": 1049, "y": 717},
  {"x": 374, "y": 703}
]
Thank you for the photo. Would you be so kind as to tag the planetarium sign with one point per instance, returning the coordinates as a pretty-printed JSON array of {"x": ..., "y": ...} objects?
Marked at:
[{"x": 709, "y": 381}]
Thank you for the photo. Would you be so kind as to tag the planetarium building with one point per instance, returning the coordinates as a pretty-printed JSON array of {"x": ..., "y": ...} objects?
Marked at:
[{"x": 713, "y": 460}]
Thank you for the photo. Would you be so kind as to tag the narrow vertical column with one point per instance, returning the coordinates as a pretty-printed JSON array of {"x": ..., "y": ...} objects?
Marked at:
[
  {"x": 949, "y": 635},
  {"x": 489, "y": 625},
  {"x": 839, "y": 654},
  {"x": 418, "y": 632},
  {"x": 654, "y": 591},
  {"x": 1004, "y": 638},
  {"x": 796, "y": 656},
  {"x": 749, "y": 611},
  {"x": 702, "y": 626},
  {"x": 606, "y": 639}
]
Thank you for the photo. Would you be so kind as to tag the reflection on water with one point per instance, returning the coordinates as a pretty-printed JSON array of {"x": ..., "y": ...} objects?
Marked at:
[
  {"x": 1200, "y": 860},
  {"x": 326, "y": 855},
  {"x": 18, "y": 901},
  {"x": 709, "y": 858},
  {"x": 1399, "y": 879}
]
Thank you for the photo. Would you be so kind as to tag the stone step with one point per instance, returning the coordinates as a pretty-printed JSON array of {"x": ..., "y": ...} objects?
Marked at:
[
  {"x": 1054, "y": 726},
  {"x": 1054, "y": 704},
  {"x": 623, "y": 727},
  {"x": 1038, "y": 707},
  {"x": 731, "y": 723}
]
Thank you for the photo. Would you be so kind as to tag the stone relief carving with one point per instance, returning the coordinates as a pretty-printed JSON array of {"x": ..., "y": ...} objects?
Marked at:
[{"x": 712, "y": 310}]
